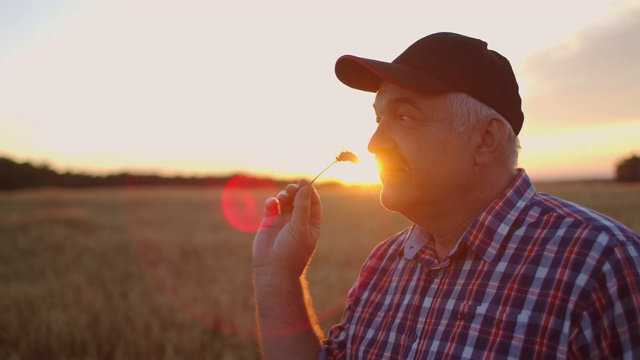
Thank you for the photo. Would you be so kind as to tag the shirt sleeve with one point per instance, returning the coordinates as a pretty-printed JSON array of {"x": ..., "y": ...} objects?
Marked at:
[
  {"x": 334, "y": 347},
  {"x": 609, "y": 327}
]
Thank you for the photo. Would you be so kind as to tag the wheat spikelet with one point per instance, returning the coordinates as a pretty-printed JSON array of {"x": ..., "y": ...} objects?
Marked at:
[{"x": 343, "y": 156}]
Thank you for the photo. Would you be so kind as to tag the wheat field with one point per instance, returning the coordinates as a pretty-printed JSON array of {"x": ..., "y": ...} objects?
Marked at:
[{"x": 159, "y": 273}]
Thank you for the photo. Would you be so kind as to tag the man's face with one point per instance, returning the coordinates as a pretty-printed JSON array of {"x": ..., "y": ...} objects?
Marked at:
[{"x": 421, "y": 159}]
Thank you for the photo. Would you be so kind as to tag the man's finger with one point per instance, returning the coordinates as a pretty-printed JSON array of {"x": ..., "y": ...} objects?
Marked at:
[
  {"x": 301, "y": 208},
  {"x": 272, "y": 207}
]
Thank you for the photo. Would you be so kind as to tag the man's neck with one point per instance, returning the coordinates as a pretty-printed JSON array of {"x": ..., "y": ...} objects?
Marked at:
[{"x": 450, "y": 221}]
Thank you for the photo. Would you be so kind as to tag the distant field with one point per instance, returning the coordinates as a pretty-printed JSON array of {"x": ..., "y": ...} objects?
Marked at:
[{"x": 158, "y": 273}]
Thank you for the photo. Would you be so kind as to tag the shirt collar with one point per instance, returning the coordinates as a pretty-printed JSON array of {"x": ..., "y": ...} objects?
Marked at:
[
  {"x": 415, "y": 240},
  {"x": 489, "y": 230}
]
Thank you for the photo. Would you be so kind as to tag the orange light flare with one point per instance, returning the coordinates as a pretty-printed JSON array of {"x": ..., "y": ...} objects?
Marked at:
[{"x": 362, "y": 171}]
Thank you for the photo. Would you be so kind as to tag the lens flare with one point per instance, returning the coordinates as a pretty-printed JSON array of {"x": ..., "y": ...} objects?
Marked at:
[{"x": 242, "y": 199}]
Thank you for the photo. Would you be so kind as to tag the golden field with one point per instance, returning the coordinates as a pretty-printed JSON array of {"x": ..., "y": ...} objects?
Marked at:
[{"x": 158, "y": 273}]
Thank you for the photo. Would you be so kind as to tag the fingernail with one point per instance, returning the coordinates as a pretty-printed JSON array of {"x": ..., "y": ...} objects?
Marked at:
[{"x": 272, "y": 205}]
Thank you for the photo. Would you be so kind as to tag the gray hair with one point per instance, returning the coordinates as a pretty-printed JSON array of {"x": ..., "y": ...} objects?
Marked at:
[{"x": 469, "y": 112}]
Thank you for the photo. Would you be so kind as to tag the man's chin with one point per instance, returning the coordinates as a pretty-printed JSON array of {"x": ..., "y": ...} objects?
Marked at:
[{"x": 391, "y": 196}]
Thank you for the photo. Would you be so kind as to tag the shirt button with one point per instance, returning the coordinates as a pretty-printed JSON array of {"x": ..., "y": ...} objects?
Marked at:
[
  {"x": 413, "y": 337},
  {"x": 434, "y": 274}
]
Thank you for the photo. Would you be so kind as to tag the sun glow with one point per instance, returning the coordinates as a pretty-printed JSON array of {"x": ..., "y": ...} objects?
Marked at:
[
  {"x": 190, "y": 99},
  {"x": 363, "y": 173},
  {"x": 587, "y": 152}
]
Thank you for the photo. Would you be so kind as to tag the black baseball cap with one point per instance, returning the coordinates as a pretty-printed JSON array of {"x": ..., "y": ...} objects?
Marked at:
[{"x": 443, "y": 62}]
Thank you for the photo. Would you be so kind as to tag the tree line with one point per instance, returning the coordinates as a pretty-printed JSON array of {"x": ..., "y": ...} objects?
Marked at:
[
  {"x": 628, "y": 170},
  {"x": 14, "y": 175}
]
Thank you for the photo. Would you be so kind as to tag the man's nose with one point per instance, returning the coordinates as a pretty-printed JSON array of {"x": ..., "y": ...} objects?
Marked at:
[{"x": 381, "y": 140}]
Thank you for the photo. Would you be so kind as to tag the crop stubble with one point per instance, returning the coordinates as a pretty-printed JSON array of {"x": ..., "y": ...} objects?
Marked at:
[{"x": 121, "y": 273}]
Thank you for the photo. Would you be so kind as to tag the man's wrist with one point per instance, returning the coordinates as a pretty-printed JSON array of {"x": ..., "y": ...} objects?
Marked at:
[{"x": 276, "y": 274}]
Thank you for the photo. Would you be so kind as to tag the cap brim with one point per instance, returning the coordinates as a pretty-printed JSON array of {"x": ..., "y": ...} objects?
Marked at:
[{"x": 367, "y": 74}]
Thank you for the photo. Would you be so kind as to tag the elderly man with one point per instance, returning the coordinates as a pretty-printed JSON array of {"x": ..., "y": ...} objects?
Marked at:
[{"x": 490, "y": 268}]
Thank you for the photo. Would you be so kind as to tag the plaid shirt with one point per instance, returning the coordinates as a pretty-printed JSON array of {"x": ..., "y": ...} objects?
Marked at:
[{"x": 533, "y": 277}]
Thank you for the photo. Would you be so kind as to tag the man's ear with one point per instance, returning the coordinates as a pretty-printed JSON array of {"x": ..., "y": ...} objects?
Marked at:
[{"x": 491, "y": 138}]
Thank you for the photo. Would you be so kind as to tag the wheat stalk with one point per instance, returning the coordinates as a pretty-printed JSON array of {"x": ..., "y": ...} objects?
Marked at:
[{"x": 343, "y": 156}]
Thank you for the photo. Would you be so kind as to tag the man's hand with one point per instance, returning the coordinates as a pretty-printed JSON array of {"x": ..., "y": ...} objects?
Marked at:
[
  {"x": 289, "y": 231},
  {"x": 288, "y": 327}
]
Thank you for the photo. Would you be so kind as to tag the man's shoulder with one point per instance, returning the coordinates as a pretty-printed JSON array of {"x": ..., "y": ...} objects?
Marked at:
[
  {"x": 569, "y": 218},
  {"x": 390, "y": 247},
  {"x": 393, "y": 242}
]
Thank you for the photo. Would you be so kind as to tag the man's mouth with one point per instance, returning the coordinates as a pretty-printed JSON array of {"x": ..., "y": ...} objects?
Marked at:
[{"x": 389, "y": 167}]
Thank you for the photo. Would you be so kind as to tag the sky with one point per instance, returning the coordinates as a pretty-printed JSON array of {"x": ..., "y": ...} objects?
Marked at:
[{"x": 220, "y": 87}]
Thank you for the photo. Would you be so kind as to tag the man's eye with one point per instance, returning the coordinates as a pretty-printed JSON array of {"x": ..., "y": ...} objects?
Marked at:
[{"x": 404, "y": 118}]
